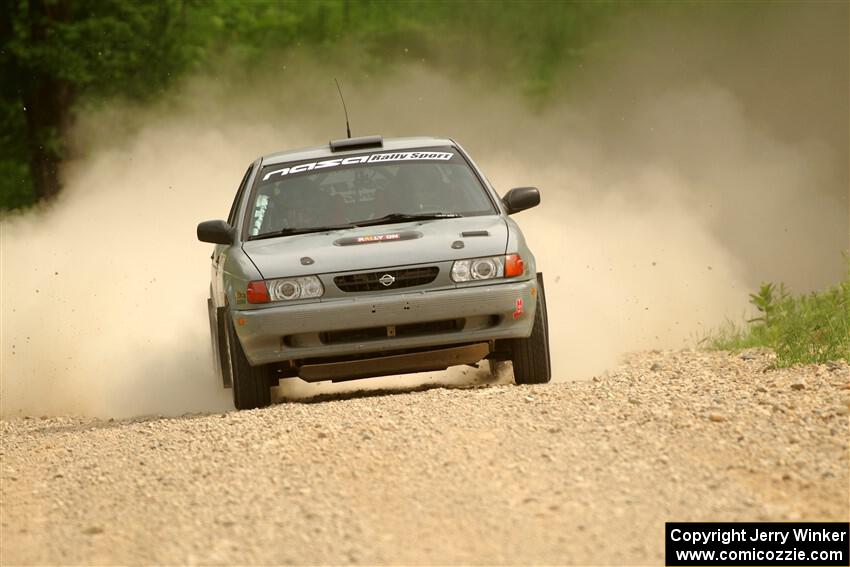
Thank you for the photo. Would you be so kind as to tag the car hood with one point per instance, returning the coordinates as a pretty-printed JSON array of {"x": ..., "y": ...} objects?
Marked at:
[{"x": 383, "y": 246}]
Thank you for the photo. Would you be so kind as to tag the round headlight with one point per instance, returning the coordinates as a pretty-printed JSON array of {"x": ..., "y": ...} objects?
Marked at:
[
  {"x": 483, "y": 269},
  {"x": 460, "y": 271},
  {"x": 311, "y": 287},
  {"x": 289, "y": 290},
  {"x": 285, "y": 289}
]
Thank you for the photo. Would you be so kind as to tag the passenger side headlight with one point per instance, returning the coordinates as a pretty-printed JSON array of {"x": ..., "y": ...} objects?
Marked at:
[
  {"x": 489, "y": 268},
  {"x": 284, "y": 289},
  {"x": 478, "y": 269}
]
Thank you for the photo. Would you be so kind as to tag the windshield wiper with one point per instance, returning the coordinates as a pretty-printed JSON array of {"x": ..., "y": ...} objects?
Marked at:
[
  {"x": 386, "y": 219},
  {"x": 404, "y": 217},
  {"x": 303, "y": 230}
]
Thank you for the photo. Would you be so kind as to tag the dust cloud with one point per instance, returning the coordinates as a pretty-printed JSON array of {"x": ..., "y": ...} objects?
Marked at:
[{"x": 666, "y": 198}]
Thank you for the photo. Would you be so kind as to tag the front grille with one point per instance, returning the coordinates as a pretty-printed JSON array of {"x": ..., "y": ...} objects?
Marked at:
[
  {"x": 378, "y": 333},
  {"x": 377, "y": 281}
]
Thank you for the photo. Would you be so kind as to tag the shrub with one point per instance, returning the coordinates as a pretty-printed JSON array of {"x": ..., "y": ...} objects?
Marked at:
[{"x": 811, "y": 328}]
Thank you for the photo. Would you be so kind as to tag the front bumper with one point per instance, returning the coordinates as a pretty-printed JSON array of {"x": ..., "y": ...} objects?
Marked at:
[{"x": 355, "y": 326}]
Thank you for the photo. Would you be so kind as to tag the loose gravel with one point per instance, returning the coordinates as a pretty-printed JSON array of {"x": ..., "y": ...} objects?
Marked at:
[{"x": 576, "y": 472}]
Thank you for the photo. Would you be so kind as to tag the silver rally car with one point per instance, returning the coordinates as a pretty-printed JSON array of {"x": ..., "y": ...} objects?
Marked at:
[{"x": 371, "y": 257}]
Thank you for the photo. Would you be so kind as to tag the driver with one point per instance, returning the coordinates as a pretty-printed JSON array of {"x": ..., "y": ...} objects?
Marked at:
[
  {"x": 303, "y": 204},
  {"x": 412, "y": 190}
]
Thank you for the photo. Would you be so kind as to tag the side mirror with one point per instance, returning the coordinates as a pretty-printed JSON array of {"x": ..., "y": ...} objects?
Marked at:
[
  {"x": 216, "y": 232},
  {"x": 521, "y": 198}
]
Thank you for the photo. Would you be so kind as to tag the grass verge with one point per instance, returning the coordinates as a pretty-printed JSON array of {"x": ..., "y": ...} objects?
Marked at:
[{"x": 801, "y": 329}]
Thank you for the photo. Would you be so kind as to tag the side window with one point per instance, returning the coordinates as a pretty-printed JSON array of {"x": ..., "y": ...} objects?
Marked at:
[{"x": 231, "y": 218}]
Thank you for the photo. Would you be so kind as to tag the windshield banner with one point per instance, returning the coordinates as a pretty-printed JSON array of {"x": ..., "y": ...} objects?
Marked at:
[{"x": 354, "y": 160}]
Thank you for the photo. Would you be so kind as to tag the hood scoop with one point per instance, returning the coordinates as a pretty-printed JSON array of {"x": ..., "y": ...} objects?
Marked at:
[{"x": 468, "y": 233}]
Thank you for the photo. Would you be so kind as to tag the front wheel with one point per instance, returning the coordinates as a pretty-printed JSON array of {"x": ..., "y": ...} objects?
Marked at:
[
  {"x": 530, "y": 356},
  {"x": 250, "y": 383}
]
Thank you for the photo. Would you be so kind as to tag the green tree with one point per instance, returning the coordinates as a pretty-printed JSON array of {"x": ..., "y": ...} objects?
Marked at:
[
  {"x": 56, "y": 54},
  {"x": 54, "y": 51}
]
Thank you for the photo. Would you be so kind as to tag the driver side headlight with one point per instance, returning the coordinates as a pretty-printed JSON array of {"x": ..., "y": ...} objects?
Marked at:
[{"x": 284, "y": 289}]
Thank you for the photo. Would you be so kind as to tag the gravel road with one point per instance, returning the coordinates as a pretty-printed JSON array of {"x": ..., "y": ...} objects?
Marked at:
[{"x": 574, "y": 472}]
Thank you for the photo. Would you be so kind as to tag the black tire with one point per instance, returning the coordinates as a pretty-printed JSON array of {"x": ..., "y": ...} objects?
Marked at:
[
  {"x": 250, "y": 383},
  {"x": 530, "y": 356}
]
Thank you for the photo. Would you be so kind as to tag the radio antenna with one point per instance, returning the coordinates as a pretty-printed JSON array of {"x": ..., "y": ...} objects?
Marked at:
[{"x": 339, "y": 90}]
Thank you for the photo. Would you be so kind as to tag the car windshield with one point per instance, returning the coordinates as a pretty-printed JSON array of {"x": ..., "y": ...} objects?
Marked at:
[{"x": 342, "y": 192}]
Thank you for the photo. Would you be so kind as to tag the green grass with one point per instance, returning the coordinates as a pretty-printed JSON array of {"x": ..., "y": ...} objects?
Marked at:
[{"x": 801, "y": 329}]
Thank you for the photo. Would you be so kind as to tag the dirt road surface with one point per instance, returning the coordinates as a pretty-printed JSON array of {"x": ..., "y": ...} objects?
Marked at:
[{"x": 577, "y": 472}]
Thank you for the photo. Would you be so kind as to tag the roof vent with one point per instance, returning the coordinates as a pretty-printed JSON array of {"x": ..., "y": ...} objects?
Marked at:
[{"x": 356, "y": 143}]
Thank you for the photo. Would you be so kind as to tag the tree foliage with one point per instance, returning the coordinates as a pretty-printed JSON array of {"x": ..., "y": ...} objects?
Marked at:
[
  {"x": 55, "y": 52},
  {"x": 58, "y": 54}
]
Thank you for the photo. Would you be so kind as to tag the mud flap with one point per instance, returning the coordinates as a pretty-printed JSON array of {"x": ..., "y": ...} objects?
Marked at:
[
  {"x": 542, "y": 293},
  {"x": 221, "y": 364}
]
